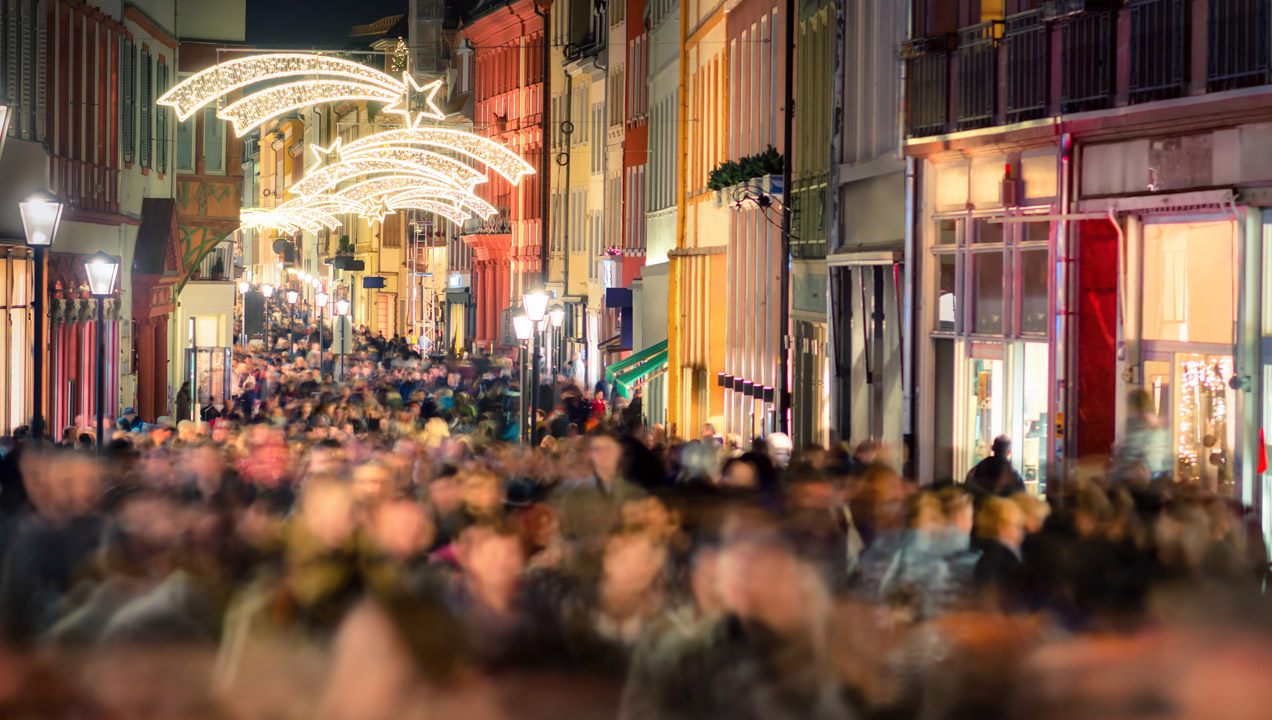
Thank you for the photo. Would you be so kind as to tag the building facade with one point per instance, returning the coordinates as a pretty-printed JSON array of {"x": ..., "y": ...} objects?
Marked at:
[{"x": 1070, "y": 207}]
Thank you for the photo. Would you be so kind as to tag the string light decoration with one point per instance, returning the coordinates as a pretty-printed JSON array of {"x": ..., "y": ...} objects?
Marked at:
[
  {"x": 221, "y": 79},
  {"x": 400, "y": 54},
  {"x": 259, "y": 108},
  {"x": 417, "y": 167},
  {"x": 1200, "y": 378},
  {"x": 369, "y": 192},
  {"x": 434, "y": 169},
  {"x": 450, "y": 212},
  {"x": 495, "y": 156}
]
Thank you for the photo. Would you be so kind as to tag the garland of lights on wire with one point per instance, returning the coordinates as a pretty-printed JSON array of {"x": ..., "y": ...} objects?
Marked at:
[
  {"x": 1199, "y": 376},
  {"x": 417, "y": 167}
]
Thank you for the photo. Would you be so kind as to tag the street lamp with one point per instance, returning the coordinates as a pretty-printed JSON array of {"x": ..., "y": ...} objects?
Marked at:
[
  {"x": 102, "y": 271},
  {"x": 267, "y": 291},
  {"x": 523, "y": 328},
  {"x": 41, "y": 214},
  {"x": 556, "y": 318},
  {"x": 292, "y": 296},
  {"x": 342, "y": 311},
  {"x": 535, "y": 304}
]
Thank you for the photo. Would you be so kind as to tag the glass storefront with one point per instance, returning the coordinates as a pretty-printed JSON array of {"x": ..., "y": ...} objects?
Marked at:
[
  {"x": 1189, "y": 316},
  {"x": 1002, "y": 266}
]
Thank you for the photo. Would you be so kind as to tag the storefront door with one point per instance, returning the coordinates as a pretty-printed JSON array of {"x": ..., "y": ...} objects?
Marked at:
[{"x": 1193, "y": 403}]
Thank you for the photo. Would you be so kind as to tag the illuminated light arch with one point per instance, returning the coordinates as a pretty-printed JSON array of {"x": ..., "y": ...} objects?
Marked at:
[
  {"x": 370, "y": 191},
  {"x": 207, "y": 86},
  {"x": 450, "y": 212},
  {"x": 497, "y": 157},
  {"x": 463, "y": 174},
  {"x": 327, "y": 178},
  {"x": 259, "y": 108}
]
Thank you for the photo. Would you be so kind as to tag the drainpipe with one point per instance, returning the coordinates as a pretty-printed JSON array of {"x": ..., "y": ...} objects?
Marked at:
[
  {"x": 788, "y": 131},
  {"x": 675, "y": 325},
  {"x": 545, "y": 150}
]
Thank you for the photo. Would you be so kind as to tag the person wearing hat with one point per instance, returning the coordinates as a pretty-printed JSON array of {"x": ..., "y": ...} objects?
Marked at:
[{"x": 129, "y": 420}]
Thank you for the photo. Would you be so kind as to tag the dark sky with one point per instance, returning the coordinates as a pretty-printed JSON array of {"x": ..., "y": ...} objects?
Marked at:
[{"x": 321, "y": 24}]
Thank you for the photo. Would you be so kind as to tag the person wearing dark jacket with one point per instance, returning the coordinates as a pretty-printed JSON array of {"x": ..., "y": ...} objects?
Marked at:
[
  {"x": 183, "y": 402},
  {"x": 1001, "y": 578},
  {"x": 994, "y": 475}
]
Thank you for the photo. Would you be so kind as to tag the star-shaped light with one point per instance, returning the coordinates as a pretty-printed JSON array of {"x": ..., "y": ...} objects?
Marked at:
[
  {"x": 403, "y": 105},
  {"x": 378, "y": 214},
  {"x": 321, "y": 153}
]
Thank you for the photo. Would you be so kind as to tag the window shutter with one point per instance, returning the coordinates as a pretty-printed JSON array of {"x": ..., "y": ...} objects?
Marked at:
[
  {"x": 161, "y": 118},
  {"x": 128, "y": 107},
  {"x": 41, "y": 71},
  {"x": 26, "y": 72},
  {"x": 146, "y": 134}
]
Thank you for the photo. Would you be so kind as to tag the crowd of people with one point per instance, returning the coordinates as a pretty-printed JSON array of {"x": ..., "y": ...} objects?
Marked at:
[{"x": 371, "y": 541}]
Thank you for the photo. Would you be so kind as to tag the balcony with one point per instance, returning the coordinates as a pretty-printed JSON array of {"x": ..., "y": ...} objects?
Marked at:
[
  {"x": 1028, "y": 52},
  {"x": 498, "y": 224},
  {"x": 1087, "y": 39},
  {"x": 978, "y": 74},
  {"x": 1237, "y": 44},
  {"x": 1065, "y": 57},
  {"x": 927, "y": 84},
  {"x": 1160, "y": 49}
]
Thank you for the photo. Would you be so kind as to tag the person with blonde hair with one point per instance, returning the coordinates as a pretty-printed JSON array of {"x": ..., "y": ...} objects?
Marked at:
[{"x": 1002, "y": 580}]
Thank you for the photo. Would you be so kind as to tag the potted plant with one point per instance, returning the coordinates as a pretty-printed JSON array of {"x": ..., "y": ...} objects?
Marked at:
[
  {"x": 344, "y": 259},
  {"x": 218, "y": 268}
]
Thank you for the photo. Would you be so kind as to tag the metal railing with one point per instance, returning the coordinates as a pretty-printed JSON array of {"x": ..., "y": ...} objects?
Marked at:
[
  {"x": 1028, "y": 54},
  {"x": 928, "y": 85},
  {"x": 1160, "y": 49},
  {"x": 1087, "y": 59},
  {"x": 1237, "y": 44},
  {"x": 978, "y": 74},
  {"x": 498, "y": 224},
  {"x": 224, "y": 253}
]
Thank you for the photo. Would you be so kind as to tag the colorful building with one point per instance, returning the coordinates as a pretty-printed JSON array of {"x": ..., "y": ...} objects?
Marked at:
[{"x": 510, "y": 85}]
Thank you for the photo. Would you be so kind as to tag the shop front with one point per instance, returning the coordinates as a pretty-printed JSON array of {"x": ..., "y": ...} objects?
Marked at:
[{"x": 989, "y": 309}]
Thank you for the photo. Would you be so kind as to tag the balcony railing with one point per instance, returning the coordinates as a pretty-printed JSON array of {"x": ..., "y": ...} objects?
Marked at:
[
  {"x": 927, "y": 85},
  {"x": 978, "y": 74},
  {"x": 498, "y": 224},
  {"x": 1237, "y": 46},
  {"x": 1087, "y": 38},
  {"x": 1160, "y": 49},
  {"x": 1027, "y": 49}
]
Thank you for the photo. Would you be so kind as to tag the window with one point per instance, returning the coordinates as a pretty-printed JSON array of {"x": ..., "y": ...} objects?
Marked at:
[
  {"x": 161, "y": 118},
  {"x": 214, "y": 145},
  {"x": 185, "y": 145},
  {"x": 146, "y": 131},
  {"x": 128, "y": 80},
  {"x": 1189, "y": 293}
]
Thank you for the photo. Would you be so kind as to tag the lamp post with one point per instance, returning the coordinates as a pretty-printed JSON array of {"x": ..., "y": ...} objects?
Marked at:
[
  {"x": 342, "y": 311},
  {"x": 523, "y": 327},
  {"x": 292, "y": 296},
  {"x": 102, "y": 271},
  {"x": 556, "y": 317},
  {"x": 243, "y": 287},
  {"x": 320, "y": 300},
  {"x": 41, "y": 214},
  {"x": 535, "y": 304}
]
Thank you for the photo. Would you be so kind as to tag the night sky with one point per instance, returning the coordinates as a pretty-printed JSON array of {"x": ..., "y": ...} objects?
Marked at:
[{"x": 321, "y": 24}]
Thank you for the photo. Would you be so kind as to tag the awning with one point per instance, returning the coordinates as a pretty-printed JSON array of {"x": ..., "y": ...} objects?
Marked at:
[
  {"x": 613, "y": 370},
  {"x": 613, "y": 345},
  {"x": 641, "y": 372}
]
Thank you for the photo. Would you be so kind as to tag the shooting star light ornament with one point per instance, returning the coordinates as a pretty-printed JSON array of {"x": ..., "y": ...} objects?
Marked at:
[{"x": 418, "y": 167}]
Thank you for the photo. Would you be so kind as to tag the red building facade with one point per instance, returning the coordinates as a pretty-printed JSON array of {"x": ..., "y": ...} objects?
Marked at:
[
  {"x": 508, "y": 66},
  {"x": 635, "y": 141}
]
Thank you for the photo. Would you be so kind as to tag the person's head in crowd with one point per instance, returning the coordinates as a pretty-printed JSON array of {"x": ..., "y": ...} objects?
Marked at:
[
  {"x": 372, "y": 483},
  {"x": 483, "y": 493},
  {"x": 491, "y": 559},
  {"x": 1001, "y": 520},
  {"x": 605, "y": 455},
  {"x": 401, "y": 528},
  {"x": 327, "y": 510},
  {"x": 1034, "y": 509}
]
